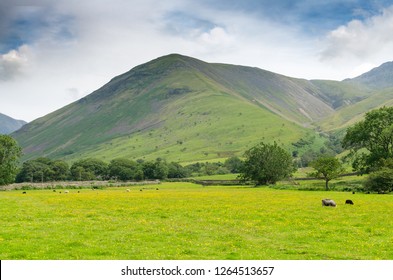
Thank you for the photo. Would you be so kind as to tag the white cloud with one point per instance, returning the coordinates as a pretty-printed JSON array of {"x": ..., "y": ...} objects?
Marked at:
[
  {"x": 12, "y": 63},
  {"x": 216, "y": 36},
  {"x": 364, "y": 40}
]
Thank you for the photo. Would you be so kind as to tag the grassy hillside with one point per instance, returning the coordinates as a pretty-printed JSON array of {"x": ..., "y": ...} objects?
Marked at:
[
  {"x": 341, "y": 94},
  {"x": 178, "y": 108},
  {"x": 349, "y": 115},
  {"x": 8, "y": 124},
  {"x": 377, "y": 78},
  {"x": 184, "y": 109}
]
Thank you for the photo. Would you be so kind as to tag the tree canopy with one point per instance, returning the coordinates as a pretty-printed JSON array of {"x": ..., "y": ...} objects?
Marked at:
[
  {"x": 123, "y": 169},
  {"x": 266, "y": 164},
  {"x": 371, "y": 140},
  {"x": 10, "y": 152},
  {"x": 43, "y": 170},
  {"x": 327, "y": 168},
  {"x": 89, "y": 169}
]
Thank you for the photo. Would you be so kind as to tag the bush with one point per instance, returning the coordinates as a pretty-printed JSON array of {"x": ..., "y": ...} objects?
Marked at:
[{"x": 380, "y": 181}]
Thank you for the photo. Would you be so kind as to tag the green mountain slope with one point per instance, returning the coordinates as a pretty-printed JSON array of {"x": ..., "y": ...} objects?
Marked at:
[
  {"x": 369, "y": 91},
  {"x": 184, "y": 109},
  {"x": 349, "y": 115},
  {"x": 8, "y": 124},
  {"x": 178, "y": 108},
  {"x": 341, "y": 94},
  {"x": 378, "y": 78}
]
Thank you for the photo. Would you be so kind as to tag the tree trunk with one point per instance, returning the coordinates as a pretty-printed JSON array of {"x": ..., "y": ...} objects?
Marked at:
[{"x": 326, "y": 185}]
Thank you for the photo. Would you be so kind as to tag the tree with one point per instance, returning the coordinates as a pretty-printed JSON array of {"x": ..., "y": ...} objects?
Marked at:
[
  {"x": 380, "y": 181},
  {"x": 326, "y": 168},
  {"x": 10, "y": 153},
  {"x": 381, "y": 177},
  {"x": 234, "y": 164},
  {"x": 371, "y": 139},
  {"x": 60, "y": 170},
  {"x": 160, "y": 169},
  {"x": 89, "y": 169},
  {"x": 123, "y": 169},
  {"x": 266, "y": 164},
  {"x": 175, "y": 170}
]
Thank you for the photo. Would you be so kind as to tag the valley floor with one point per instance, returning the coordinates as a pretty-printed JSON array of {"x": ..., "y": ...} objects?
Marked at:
[{"x": 187, "y": 221}]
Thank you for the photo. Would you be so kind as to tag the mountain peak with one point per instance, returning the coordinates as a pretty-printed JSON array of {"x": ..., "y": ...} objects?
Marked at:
[
  {"x": 8, "y": 124},
  {"x": 379, "y": 77},
  {"x": 184, "y": 109}
]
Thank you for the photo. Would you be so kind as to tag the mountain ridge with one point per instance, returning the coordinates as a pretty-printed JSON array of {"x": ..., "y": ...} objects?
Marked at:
[
  {"x": 9, "y": 124},
  {"x": 185, "y": 109},
  {"x": 377, "y": 78}
]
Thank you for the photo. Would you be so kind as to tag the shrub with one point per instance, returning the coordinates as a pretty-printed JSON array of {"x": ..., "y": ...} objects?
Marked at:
[{"x": 380, "y": 181}]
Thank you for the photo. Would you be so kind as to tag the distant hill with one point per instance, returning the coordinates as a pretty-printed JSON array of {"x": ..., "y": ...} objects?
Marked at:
[
  {"x": 373, "y": 89},
  {"x": 183, "y": 109},
  {"x": 9, "y": 125},
  {"x": 378, "y": 78}
]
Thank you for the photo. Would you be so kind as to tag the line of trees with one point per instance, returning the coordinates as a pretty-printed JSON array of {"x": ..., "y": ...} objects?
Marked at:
[{"x": 122, "y": 169}]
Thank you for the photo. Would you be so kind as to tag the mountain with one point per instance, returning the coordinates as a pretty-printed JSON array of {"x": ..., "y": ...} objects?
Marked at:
[
  {"x": 378, "y": 78},
  {"x": 8, "y": 124},
  {"x": 183, "y": 109},
  {"x": 374, "y": 89}
]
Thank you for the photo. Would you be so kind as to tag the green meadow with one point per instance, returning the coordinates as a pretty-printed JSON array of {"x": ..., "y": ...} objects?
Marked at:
[{"x": 187, "y": 221}]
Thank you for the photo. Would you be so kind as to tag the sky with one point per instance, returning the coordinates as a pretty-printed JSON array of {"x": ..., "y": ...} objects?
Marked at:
[{"x": 54, "y": 52}]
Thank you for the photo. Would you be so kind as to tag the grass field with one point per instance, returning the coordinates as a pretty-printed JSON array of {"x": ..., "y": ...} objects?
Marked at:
[{"x": 187, "y": 221}]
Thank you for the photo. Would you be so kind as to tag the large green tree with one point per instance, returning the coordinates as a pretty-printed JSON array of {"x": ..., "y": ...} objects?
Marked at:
[
  {"x": 371, "y": 140},
  {"x": 266, "y": 164},
  {"x": 326, "y": 168},
  {"x": 10, "y": 152}
]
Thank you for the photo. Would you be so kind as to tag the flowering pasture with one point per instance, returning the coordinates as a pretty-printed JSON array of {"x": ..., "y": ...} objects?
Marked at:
[{"x": 188, "y": 221}]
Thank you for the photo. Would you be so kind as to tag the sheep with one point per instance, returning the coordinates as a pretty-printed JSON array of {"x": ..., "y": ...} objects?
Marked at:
[
  {"x": 24, "y": 193},
  {"x": 66, "y": 191},
  {"x": 128, "y": 190},
  {"x": 348, "y": 201},
  {"x": 328, "y": 202}
]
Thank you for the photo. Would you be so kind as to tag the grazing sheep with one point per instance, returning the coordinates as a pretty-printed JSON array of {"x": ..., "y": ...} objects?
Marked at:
[
  {"x": 127, "y": 190},
  {"x": 140, "y": 190},
  {"x": 156, "y": 189},
  {"x": 348, "y": 201},
  {"x": 353, "y": 192},
  {"x": 54, "y": 190},
  {"x": 328, "y": 202},
  {"x": 66, "y": 191},
  {"x": 24, "y": 193}
]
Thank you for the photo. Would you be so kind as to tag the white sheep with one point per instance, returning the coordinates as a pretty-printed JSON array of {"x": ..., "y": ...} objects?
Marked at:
[
  {"x": 128, "y": 190},
  {"x": 66, "y": 191}
]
